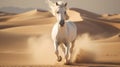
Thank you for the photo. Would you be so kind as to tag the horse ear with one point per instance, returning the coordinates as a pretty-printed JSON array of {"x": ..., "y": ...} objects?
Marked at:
[
  {"x": 65, "y": 4},
  {"x": 57, "y": 4}
]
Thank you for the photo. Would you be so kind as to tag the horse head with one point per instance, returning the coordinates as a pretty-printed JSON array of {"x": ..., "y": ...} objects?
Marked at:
[{"x": 58, "y": 9}]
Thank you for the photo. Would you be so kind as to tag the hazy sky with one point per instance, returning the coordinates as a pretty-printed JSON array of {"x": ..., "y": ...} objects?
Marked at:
[{"x": 97, "y": 6}]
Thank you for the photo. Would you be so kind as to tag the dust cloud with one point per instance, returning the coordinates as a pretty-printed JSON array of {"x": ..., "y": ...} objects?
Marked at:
[
  {"x": 82, "y": 50},
  {"x": 42, "y": 49}
]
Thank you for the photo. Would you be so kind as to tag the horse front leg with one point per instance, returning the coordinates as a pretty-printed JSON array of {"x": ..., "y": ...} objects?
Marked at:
[
  {"x": 67, "y": 53},
  {"x": 59, "y": 58},
  {"x": 63, "y": 48},
  {"x": 71, "y": 51}
]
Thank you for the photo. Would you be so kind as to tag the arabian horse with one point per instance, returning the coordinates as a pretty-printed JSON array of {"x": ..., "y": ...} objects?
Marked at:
[{"x": 64, "y": 31}]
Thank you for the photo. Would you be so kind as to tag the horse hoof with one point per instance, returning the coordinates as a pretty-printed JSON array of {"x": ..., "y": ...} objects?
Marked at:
[
  {"x": 68, "y": 63},
  {"x": 59, "y": 59}
]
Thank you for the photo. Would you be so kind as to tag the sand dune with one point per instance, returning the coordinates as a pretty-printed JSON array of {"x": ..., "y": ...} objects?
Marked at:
[
  {"x": 28, "y": 35},
  {"x": 5, "y": 16},
  {"x": 112, "y": 17},
  {"x": 31, "y": 15},
  {"x": 30, "y": 30},
  {"x": 36, "y": 17}
]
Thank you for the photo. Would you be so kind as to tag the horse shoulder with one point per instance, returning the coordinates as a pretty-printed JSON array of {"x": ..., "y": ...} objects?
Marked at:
[
  {"x": 54, "y": 31},
  {"x": 71, "y": 26}
]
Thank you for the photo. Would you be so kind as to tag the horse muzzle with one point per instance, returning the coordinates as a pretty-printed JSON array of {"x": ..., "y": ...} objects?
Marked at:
[{"x": 62, "y": 22}]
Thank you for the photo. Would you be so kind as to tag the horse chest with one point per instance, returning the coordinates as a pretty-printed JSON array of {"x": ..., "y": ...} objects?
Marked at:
[
  {"x": 62, "y": 35},
  {"x": 67, "y": 33}
]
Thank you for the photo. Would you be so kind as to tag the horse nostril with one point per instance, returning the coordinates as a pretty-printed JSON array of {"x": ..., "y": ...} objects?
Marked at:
[{"x": 62, "y": 23}]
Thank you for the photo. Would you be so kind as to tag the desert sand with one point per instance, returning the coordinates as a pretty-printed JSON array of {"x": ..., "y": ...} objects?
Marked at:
[{"x": 25, "y": 39}]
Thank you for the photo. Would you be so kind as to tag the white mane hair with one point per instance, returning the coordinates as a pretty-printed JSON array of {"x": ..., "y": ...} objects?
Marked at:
[{"x": 53, "y": 5}]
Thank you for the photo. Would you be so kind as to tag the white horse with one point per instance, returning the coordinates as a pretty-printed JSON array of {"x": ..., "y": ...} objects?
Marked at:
[{"x": 64, "y": 32}]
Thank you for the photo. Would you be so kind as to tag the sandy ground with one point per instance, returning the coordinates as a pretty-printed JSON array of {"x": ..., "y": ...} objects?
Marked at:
[{"x": 25, "y": 39}]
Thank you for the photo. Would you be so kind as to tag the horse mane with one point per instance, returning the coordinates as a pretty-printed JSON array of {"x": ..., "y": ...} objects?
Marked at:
[{"x": 51, "y": 6}]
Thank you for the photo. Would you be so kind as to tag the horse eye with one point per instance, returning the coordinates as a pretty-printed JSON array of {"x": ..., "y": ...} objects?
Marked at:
[
  {"x": 65, "y": 12},
  {"x": 58, "y": 12}
]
